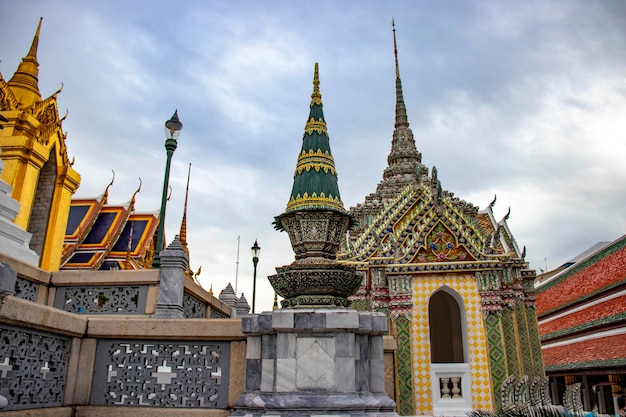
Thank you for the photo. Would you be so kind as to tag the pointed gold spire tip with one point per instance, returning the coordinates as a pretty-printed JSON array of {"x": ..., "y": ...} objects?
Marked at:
[
  {"x": 33, "y": 47},
  {"x": 316, "y": 96}
]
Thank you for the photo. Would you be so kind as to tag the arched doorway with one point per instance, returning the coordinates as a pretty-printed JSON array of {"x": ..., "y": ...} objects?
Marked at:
[
  {"x": 450, "y": 371},
  {"x": 446, "y": 333}
]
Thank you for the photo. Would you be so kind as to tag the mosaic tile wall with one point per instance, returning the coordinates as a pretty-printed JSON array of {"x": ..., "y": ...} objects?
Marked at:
[
  {"x": 497, "y": 357},
  {"x": 403, "y": 365},
  {"x": 465, "y": 285},
  {"x": 510, "y": 341},
  {"x": 535, "y": 342}
]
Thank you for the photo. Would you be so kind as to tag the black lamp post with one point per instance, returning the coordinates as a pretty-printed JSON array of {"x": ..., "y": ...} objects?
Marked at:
[
  {"x": 172, "y": 132},
  {"x": 256, "y": 251}
]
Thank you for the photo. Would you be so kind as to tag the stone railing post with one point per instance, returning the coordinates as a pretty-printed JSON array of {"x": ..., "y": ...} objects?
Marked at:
[
  {"x": 8, "y": 276},
  {"x": 7, "y": 287},
  {"x": 174, "y": 262}
]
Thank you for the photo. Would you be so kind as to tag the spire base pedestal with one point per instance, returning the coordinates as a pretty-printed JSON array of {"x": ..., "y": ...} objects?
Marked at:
[{"x": 312, "y": 362}]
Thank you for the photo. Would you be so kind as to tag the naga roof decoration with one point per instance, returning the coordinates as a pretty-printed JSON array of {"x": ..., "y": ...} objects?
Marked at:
[
  {"x": 315, "y": 179},
  {"x": 102, "y": 236},
  {"x": 410, "y": 222}
]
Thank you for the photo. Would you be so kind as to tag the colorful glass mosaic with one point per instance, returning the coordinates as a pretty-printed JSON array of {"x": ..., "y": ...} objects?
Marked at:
[
  {"x": 403, "y": 366},
  {"x": 496, "y": 354}
]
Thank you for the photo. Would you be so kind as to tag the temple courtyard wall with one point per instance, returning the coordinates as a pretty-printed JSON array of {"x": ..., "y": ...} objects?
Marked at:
[{"x": 112, "y": 358}]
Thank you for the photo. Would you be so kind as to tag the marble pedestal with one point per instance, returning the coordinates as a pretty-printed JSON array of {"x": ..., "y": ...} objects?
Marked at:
[{"x": 313, "y": 362}]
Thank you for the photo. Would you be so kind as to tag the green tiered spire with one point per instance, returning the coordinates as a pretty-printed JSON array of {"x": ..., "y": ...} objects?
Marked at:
[{"x": 315, "y": 179}]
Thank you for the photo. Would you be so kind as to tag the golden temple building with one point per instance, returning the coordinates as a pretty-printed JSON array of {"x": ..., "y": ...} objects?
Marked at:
[{"x": 36, "y": 164}]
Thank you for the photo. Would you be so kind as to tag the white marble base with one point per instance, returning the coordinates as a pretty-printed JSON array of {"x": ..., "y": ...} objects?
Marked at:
[{"x": 14, "y": 240}]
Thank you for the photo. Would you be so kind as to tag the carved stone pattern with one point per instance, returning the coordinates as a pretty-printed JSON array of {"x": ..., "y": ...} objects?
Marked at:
[
  {"x": 108, "y": 300},
  {"x": 48, "y": 115},
  {"x": 26, "y": 290},
  {"x": 215, "y": 314},
  {"x": 153, "y": 373},
  {"x": 572, "y": 401},
  {"x": 33, "y": 368},
  {"x": 193, "y": 308}
]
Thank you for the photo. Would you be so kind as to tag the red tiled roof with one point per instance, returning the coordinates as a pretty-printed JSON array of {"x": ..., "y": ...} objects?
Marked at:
[
  {"x": 596, "y": 312},
  {"x": 589, "y": 280},
  {"x": 588, "y": 351},
  {"x": 485, "y": 222}
]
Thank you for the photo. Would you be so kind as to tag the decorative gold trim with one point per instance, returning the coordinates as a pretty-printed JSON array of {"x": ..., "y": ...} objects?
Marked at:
[
  {"x": 317, "y": 160},
  {"x": 314, "y": 201},
  {"x": 318, "y": 126}
]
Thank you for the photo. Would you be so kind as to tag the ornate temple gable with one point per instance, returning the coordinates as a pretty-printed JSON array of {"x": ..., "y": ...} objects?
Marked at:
[
  {"x": 499, "y": 238},
  {"x": 507, "y": 240},
  {"x": 82, "y": 215},
  {"x": 363, "y": 243},
  {"x": 100, "y": 238},
  {"x": 103, "y": 236},
  {"x": 442, "y": 245},
  {"x": 403, "y": 230}
]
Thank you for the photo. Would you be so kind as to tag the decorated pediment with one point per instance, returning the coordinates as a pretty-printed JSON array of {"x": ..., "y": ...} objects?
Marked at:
[{"x": 442, "y": 245}]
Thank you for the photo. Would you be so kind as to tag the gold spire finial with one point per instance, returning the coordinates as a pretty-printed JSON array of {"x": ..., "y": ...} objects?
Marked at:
[
  {"x": 316, "y": 96},
  {"x": 183, "y": 224},
  {"x": 25, "y": 82},
  {"x": 33, "y": 47}
]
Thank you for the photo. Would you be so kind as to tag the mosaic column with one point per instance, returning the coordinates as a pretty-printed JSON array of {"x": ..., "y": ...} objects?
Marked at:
[
  {"x": 509, "y": 332},
  {"x": 524, "y": 350},
  {"x": 530, "y": 306},
  {"x": 497, "y": 357},
  {"x": 491, "y": 302},
  {"x": 400, "y": 328}
]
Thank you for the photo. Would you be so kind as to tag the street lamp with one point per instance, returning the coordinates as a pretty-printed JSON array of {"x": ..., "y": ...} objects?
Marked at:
[
  {"x": 172, "y": 132},
  {"x": 256, "y": 251}
]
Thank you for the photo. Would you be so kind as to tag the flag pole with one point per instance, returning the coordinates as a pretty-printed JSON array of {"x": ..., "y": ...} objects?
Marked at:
[{"x": 237, "y": 263}]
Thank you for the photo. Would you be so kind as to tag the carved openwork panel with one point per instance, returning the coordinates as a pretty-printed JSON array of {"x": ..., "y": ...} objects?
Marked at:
[
  {"x": 161, "y": 374},
  {"x": 26, "y": 290},
  {"x": 33, "y": 368},
  {"x": 102, "y": 300},
  {"x": 193, "y": 308}
]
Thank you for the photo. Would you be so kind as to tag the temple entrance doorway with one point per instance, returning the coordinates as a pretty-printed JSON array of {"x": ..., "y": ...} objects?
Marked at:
[{"x": 450, "y": 372}]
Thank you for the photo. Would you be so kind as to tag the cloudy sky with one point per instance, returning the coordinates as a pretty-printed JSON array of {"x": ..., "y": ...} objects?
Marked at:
[{"x": 523, "y": 100}]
